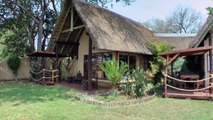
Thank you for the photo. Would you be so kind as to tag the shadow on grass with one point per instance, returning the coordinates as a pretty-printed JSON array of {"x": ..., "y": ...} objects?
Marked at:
[
  {"x": 31, "y": 93},
  {"x": 159, "y": 90}
]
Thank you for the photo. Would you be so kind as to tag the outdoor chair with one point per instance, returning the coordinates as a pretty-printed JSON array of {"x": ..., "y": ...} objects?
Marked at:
[
  {"x": 94, "y": 83},
  {"x": 78, "y": 77}
]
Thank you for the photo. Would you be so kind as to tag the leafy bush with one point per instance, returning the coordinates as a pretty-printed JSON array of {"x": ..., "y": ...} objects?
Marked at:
[
  {"x": 178, "y": 64},
  {"x": 127, "y": 87},
  {"x": 113, "y": 71},
  {"x": 137, "y": 84},
  {"x": 36, "y": 67},
  {"x": 66, "y": 67},
  {"x": 157, "y": 63},
  {"x": 141, "y": 82},
  {"x": 13, "y": 63}
]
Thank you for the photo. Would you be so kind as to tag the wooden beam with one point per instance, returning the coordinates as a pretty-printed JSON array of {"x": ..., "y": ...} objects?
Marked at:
[
  {"x": 63, "y": 22},
  {"x": 205, "y": 96},
  {"x": 90, "y": 65},
  {"x": 68, "y": 30},
  {"x": 71, "y": 29},
  {"x": 77, "y": 38},
  {"x": 78, "y": 27},
  {"x": 210, "y": 58},
  {"x": 172, "y": 68},
  {"x": 172, "y": 59},
  {"x": 67, "y": 43},
  {"x": 165, "y": 79},
  {"x": 69, "y": 34},
  {"x": 72, "y": 11},
  {"x": 57, "y": 61},
  {"x": 199, "y": 53}
]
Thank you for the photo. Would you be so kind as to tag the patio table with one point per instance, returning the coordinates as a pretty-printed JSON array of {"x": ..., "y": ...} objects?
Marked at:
[{"x": 191, "y": 77}]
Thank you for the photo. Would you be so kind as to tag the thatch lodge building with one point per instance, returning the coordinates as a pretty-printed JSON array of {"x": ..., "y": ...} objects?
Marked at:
[{"x": 91, "y": 34}]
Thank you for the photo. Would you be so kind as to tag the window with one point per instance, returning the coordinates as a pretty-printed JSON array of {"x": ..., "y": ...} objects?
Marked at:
[
  {"x": 107, "y": 56},
  {"x": 97, "y": 58},
  {"x": 146, "y": 62},
  {"x": 123, "y": 58},
  {"x": 130, "y": 60}
]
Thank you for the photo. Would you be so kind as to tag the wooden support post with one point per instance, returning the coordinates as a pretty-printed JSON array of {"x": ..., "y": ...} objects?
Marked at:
[
  {"x": 165, "y": 79},
  {"x": 172, "y": 69},
  {"x": 57, "y": 74},
  {"x": 71, "y": 22},
  {"x": 90, "y": 65},
  {"x": 43, "y": 71},
  {"x": 173, "y": 58},
  {"x": 52, "y": 73},
  {"x": 210, "y": 59},
  {"x": 56, "y": 56}
]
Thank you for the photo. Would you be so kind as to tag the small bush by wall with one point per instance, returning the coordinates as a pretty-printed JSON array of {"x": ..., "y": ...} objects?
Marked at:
[
  {"x": 13, "y": 63},
  {"x": 22, "y": 73}
]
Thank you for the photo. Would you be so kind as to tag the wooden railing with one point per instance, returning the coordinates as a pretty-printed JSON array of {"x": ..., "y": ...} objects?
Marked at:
[
  {"x": 45, "y": 75},
  {"x": 196, "y": 82}
]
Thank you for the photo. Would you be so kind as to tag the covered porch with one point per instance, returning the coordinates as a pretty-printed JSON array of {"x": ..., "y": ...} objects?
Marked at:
[{"x": 193, "y": 85}]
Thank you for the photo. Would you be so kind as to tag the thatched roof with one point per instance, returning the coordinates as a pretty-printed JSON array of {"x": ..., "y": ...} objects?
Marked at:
[
  {"x": 202, "y": 32},
  {"x": 45, "y": 54},
  {"x": 107, "y": 29},
  {"x": 178, "y": 41}
]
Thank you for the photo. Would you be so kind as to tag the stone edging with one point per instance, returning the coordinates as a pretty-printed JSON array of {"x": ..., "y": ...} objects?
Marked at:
[
  {"x": 117, "y": 104},
  {"x": 14, "y": 80}
]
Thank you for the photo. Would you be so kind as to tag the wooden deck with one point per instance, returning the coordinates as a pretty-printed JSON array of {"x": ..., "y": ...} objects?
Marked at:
[{"x": 192, "y": 95}]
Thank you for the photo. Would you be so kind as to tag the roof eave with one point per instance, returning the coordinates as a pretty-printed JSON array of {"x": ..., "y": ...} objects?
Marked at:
[{"x": 199, "y": 37}]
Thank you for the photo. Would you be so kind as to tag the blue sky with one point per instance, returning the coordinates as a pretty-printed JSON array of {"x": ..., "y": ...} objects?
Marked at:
[{"x": 143, "y": 10}]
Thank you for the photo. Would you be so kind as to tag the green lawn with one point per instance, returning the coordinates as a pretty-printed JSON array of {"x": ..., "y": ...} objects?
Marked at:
[{"x": 19, "y": 101}]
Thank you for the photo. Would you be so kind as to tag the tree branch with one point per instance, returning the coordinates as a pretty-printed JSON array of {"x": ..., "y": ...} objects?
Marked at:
[
  {"x": 25, "y": 10},
  {"x": 11, "y": 8},
  {"x": 54, "y": 7}
]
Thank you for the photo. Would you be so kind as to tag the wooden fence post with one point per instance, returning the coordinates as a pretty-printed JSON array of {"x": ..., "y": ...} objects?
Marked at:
[
  {"x": 43, "y": 75},
  {"x": 165, "y": 79},
  {"x": 57, "y": 74}
]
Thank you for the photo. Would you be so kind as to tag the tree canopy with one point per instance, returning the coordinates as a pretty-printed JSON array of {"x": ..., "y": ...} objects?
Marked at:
[
  {"x": 182, "y": 20},
  {"x": 26, "y": 25},
  {"x": 210, "y": 9},
  {"x": 29, "y": 23},
  {"x": 103, "y": 3}
]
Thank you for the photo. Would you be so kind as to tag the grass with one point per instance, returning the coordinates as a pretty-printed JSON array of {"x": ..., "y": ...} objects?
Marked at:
[{"x": 19, "y": 101}]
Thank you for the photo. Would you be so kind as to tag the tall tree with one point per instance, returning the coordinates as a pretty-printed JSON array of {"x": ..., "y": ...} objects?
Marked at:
[
  {"x": 210, "y": 9},
  {"x": 182, "y": 20},
  {"x": 159, "y": 26},
  {"x": 103, "y": 3},
  {"x": 186, "y": 20},
  {"x": 34, "y": 20}
]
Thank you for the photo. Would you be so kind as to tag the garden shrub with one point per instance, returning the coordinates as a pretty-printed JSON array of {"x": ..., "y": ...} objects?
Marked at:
[
  {"x": 66, "y": 67},
  {"x": 13, "y": 62},
  {"x": 141, "y": 81},
  {"x": 157, "y": 63},
  {"x": 127, "y": 88},
  {"x": 36, "y": 67},
  {"x": 140, "y": 86},
  {"x": 113, "y": 71}
]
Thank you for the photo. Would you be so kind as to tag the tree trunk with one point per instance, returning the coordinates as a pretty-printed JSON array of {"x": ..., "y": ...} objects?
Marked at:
[{"x": 40, "y": 31}]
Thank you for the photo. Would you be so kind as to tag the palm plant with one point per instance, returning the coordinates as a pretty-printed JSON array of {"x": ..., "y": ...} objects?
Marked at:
[
  {"x": 66, "y": 67},
  {"x": 157, "y": 63},
  {"x": 113, "y": 71}
]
